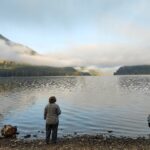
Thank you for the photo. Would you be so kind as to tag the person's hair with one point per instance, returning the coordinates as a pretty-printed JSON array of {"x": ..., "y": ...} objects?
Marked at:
[{"x": 52, "y": 99}]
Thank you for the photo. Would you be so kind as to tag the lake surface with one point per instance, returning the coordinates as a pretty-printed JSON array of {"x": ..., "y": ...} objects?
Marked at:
[{"x": 90, "y": 105}]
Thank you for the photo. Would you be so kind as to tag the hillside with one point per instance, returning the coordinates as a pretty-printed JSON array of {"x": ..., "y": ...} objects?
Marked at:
[
  {"x": 133, "y": 70},
  {"x": 9, "y": 68},
  {"x": 10, "y": 46},
  {"x": 10, "y": 65}
]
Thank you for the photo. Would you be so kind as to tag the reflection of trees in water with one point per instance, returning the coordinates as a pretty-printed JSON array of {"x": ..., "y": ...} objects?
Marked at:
[
  {"x": 135, "y": 82},
  {"x": 9, "y": 84}
]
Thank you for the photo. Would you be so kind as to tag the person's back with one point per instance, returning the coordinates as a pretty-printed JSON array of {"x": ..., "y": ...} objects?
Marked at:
[{"x": 51, "y": 113}]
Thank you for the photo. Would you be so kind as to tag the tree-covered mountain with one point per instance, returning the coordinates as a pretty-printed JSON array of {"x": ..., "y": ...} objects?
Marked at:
[
  {"x": 133, "y": 70},
  {"x": 11, "y": 63},
  {"x": 9, "y": 68}
]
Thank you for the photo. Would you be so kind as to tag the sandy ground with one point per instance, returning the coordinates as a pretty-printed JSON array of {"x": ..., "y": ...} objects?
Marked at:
[{"x": 85, "y": 142}]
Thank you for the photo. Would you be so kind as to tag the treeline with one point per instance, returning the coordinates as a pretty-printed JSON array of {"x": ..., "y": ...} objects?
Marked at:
[
  {"x": 12, "y": 69},
  {"x": 133, "y": 70}
]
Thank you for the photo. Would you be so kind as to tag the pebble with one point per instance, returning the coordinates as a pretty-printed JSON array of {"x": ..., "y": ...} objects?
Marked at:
[{"x": 40, "y": 143}]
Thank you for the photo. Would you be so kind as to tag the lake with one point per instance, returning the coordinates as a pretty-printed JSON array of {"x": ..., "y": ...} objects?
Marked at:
[{"x": 90, "y": 105}]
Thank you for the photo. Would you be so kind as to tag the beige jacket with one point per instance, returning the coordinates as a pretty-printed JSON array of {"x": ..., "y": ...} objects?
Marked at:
[{"x": 51, "y": 113}]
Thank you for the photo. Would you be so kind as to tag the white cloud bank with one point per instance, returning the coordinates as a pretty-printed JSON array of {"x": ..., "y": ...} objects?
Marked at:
[
  {"x": 102, "y": 55},
  {"x": 130, "y": 46},
  {"x": 117, "y": 32}
]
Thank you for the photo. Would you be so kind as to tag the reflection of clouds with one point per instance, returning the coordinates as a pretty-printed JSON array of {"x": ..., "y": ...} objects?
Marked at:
[
  {"x": 82, "y": 99},
  {"x": 20, "y": 93},
  {"x": 16, "y": 101},
  {"x": 95, "y": 92}
]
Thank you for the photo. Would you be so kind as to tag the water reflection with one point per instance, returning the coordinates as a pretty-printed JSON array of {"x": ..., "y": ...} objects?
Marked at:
[
  {"x": 16, "y": 83},
  {"x": 18, "y": 93},
  {"x": 89, "y": 104}
]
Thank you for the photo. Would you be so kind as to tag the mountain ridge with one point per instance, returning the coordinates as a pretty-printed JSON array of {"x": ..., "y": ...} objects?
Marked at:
[
  {"x": 16, "y": 47},
  {"x": 10, "y": 67}
]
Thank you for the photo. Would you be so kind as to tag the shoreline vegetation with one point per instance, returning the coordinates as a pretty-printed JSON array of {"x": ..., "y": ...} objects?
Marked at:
[
  {"x": 10, "y": 68},
  {"x": 133, "y": 70},
  {"x": 84, "y": 142}
]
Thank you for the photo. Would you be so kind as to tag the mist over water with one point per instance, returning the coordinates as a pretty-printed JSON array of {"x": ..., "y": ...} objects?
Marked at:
[{"x": 90, "y": 105}]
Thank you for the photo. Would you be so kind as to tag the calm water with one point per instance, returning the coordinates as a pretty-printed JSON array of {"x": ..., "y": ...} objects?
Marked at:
[{"x": 90, "y": 105}]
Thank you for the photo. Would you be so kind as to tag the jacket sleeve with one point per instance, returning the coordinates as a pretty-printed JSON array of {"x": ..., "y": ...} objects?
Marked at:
[
  {"x": 58, "y": 110},
  {"x": 45, "y": 113}
]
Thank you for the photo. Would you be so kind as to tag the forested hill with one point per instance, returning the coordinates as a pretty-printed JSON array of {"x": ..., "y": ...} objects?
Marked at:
[
  {"x": 9, "y": 68},
  {"x": 133, "y": 70}
]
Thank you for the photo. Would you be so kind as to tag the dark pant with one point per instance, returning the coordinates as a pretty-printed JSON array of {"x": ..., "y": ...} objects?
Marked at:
[
  {"x": 51, "y": 128},
  {"x": 149, "y": 124}
]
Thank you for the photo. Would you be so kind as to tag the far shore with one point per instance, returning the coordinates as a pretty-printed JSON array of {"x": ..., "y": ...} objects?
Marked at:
[{"x": 84, "y": 142}]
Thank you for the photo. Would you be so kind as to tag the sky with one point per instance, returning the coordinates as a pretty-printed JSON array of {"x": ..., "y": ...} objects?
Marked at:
[{"x": 98, "y": 33}]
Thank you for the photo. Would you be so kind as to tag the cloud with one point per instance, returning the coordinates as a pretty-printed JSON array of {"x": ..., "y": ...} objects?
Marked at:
[
  {"x": 104, "y": 33},
  {"x": 99, "y": 55}
]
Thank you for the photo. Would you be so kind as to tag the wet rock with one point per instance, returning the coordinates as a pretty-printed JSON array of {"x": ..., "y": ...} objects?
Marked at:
[
  {"x": 109, "y": 131},
  {"x": 40, "y": 131},
  {"x": 27, "y": 136},
  {"x": 9, "y": 131},
  {"x": 35, "y": 136},
  {"x": 17, "y": 133},
  {"x": 61, "y": 129}
]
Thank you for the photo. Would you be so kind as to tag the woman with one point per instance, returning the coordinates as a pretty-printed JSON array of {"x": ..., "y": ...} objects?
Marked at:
[{"x": 51, "y": 115}]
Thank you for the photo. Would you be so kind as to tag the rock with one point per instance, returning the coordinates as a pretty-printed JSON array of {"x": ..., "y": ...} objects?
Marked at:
[
  {"x": 27, "y": 136},
  {"x": 109, "y": 131},
  {"x": 9, "y": 131},
  {"x": 40, "y": 143},
  {"x": 35, "y": 136},
  {"x": 40, "y": 131},
  {"x": 17, "y": 133}
]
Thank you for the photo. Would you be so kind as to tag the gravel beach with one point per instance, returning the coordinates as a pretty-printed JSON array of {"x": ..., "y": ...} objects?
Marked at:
[{"x": 85, "y": 142}]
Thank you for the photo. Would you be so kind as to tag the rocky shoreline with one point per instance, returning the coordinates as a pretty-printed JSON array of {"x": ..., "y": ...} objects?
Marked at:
[{"x": 84, "y": 142}]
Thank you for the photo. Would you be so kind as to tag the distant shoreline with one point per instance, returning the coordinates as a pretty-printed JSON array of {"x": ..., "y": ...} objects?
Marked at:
[{"x": 133, "y": 70}]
